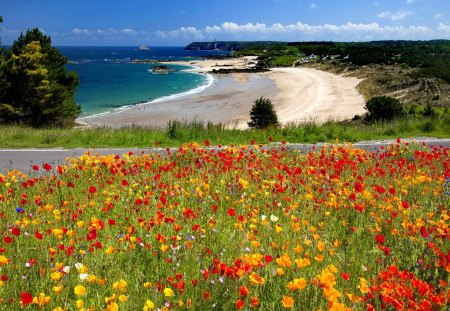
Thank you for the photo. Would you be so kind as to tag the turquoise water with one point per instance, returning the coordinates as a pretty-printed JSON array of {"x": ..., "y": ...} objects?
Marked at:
[{"x": 108, "y": 81}]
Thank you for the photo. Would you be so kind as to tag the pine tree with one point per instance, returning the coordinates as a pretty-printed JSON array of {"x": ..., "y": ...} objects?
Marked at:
[
  {"x": 263, "y": 114},
  {"x": 40, "y": 90}
]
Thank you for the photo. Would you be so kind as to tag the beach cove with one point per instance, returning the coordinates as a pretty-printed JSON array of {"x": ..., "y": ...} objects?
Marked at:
[{"x": 298, "y": 94}]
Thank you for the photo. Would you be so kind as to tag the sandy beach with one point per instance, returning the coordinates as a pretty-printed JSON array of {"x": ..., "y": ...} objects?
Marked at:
[{"x": 298, "y": 94}]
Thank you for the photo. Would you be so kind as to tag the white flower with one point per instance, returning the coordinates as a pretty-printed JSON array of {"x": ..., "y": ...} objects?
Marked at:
[
  {"x": 84, "y": 276},
  {"x": 273, "y": 218},
  {"x": 66, "y": 269}
]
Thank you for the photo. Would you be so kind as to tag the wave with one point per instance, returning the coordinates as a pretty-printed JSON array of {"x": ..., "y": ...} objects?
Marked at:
[{"x": 209, "y": 82}]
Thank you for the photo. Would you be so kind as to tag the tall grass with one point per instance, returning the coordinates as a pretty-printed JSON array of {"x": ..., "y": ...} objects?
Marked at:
[{"x": 178, "y": 133}]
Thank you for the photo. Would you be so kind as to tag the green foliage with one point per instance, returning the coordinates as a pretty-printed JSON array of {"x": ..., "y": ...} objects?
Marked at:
[
  {"x": 37, "y": 90},
  {"x": 382, "y": 108},
  {"x": 263, "y": 114}
]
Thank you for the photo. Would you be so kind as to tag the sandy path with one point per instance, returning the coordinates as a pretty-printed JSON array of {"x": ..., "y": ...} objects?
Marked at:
[{"x": 306, "y": 94}]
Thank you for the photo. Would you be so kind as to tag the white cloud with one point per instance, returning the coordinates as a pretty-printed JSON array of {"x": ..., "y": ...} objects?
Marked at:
[
  {"x": 313, "y": 6},
  {"x": 410, "y": 1},
  {"x": 104, "y": 32},
  {"x": 181, "y": 33},
  {"x": 301, "y": 31},
  {"x": 396, "y": 16},
  {"x": 439, "y": 15}
]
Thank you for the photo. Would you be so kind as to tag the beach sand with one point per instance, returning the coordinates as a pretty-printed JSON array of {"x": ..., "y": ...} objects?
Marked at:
[{"x": 298, "y": 94}]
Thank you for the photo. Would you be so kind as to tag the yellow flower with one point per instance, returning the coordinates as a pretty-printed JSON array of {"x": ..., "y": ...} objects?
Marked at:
[
  {"x": 42, "y": 300},
  {"x": 112, "y": 307},
  {"x": 79, "y": 290},
  {"x": 297, "y": 284},
  {"x": 123, "y": 298},
  {"x": 321, "y": 246},
  {"x": 109, "y": 250},
  {"x": 168, "y": 292},
  {"x": 288, "y": 302},
  {"x": 56, "y": 276},
  {"x": 149, "y": 305},
  {"x": 3, "y": 260},
  {"x": 303, "y": 262},
  {"x": 256, "y": 279},
  {"x": 121, "y": 285},
  {"x": 363, "y": 286},
  {"x": 57, "y": 289},
  {"x": 147, "y": 284},
  {"x": 79, "y": 303}
]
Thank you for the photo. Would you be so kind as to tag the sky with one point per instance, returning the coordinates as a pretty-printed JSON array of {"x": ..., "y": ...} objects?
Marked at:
[{"x": 179, "y": 22}]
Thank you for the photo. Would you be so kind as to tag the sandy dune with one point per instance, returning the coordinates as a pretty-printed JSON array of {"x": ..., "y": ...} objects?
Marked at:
[{"x": 298, "y": 94}]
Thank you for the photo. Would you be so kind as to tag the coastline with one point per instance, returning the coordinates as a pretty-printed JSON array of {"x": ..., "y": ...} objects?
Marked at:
[{"x": 298, "y": 95}]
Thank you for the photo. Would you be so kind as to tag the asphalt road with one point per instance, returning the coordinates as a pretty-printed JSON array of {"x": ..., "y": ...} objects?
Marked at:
[{"x": 23, "y": 159}]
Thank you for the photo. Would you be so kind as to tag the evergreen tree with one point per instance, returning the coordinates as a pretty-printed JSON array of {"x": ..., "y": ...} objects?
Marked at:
[
  {"x": 40, "y": 91},
  {"x": 262, "y": 114}
]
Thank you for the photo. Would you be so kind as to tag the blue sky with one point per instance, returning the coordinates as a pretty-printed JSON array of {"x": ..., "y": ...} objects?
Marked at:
[{"x": 179, "y": 22}]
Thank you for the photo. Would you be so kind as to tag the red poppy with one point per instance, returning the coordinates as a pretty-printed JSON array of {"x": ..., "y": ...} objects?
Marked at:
[
  {"x": 124, "y": 183},
  {"x": 239, "y": 304},
  {"x": 92, "y": 235},
  {"x": 231, "y": 212},
  {"x": 359, "y": 208},
  {"x": 206, "y": 142},
  {"x": 243, "y": 290},
  {"x": 92, "y": 189},
  {"x": 163, "y": 199},
  {"x": 206, "y": 295},
  {"x": 358, "y": 187},
  {"x": 380, "y": 238},
  {"x": 15, "y": 231},
  {"x": 423, "y": 232},
  {"x": 255, "y": 302},
  {"x": 26, "y": 298},
  {"x": 38, "y": 235},
  {"x": 47, "y": 167},
  {"x": 405, "y": 204},
  {"x": 345, "y": 276},
  {"x": 35, "y": 167}
]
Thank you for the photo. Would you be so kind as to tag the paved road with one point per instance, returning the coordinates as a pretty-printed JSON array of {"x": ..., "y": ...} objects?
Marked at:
[{"x": 23, "y": 159}]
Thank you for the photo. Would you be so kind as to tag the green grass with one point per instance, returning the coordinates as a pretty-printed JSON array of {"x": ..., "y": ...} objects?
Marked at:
[{"x": 179, "y": 133}]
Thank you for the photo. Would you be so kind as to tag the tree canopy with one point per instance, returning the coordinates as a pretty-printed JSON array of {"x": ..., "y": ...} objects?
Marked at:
[
  {"x": 37, "y": 88},
  {"x": 263, "y": 114}
]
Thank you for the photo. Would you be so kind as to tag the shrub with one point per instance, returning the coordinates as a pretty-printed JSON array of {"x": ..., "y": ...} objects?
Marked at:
[
  {"x": 384, "y": 108},
  {"x": 263, "y": 114}
]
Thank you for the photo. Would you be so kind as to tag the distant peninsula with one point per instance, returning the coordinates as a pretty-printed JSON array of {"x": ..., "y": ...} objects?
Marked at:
[{"x": 228, "y": 45}]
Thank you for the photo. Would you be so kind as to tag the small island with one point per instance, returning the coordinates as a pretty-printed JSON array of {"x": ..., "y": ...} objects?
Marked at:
[{"x": 144, "y": 48}]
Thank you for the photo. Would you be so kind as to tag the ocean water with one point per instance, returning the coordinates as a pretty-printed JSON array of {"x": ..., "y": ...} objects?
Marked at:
[{"x": 109, "y": 81}]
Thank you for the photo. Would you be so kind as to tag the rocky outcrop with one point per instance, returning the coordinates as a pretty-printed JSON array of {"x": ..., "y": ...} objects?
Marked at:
[
  {"x": 238, "y": 70},
  {"x": 161, "y": 70}
]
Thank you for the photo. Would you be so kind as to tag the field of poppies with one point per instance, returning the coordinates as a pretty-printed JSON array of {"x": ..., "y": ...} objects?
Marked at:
[{"x": 243, "y": 227}]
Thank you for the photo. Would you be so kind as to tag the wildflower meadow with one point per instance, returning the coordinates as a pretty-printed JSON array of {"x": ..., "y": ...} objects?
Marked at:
[{"x": 240, "y": 228}]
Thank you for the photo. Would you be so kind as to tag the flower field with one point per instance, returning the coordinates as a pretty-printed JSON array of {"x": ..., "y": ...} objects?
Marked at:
[{"x": 239, "y": 228}]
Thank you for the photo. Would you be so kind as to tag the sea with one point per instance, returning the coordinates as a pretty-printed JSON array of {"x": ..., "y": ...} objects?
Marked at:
[{"x": 111, "y": 80}]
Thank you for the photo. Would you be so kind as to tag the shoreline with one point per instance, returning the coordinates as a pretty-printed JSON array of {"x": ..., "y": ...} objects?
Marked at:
[{"x": 298, "y": 94}]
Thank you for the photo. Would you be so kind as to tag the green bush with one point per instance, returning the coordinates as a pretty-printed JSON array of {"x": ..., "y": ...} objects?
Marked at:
[
  {"x": 263, "y": 114},
  {"x": 383, "y": 108}
]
